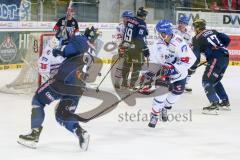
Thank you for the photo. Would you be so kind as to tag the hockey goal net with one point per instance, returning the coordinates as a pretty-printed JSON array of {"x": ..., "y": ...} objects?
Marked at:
[{"x": 28, "y": 79}]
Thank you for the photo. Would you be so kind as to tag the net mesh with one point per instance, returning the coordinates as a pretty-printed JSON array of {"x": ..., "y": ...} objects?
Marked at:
[{"x": 28, "y": 79}]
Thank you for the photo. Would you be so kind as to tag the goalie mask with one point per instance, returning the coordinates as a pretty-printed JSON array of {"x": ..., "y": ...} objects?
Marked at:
[{"x": 54, "y": 43}]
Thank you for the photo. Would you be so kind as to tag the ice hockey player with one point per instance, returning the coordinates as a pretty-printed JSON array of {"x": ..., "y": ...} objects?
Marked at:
[
  {"x": 175, "y": 56},
  {"x": 134, "y": 44},
  {"x": 48, "y": 64},
  {"x": 121, "y": 52},
  {"x": 67, "y": 86},
  {"x": 66, "y": 27},
  {"x": 214, "y": 46},
  {"x": 186, "y": 34}
]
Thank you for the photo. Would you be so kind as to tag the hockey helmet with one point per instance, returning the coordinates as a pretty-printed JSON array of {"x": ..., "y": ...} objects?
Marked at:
[
  {"x": 183, "y": 19},
  {"x": 199, "y": 24},
  {"x": 164, "y": 26},
  {"x": 142, "y": 12},
  {"x": 91, "y": 33},
  {"x": 127, "y": 14}
]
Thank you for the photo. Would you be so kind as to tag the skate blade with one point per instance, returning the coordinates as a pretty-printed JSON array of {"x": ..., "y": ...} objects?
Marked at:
[
  {"x": 208, "y": 112},
  {"x": 225, "y": 108},
  {"x": 28, "y": 144},
  {"x": 84, "y": 145}
]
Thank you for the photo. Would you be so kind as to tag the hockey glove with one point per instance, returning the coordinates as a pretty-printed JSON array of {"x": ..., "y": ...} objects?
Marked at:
[
  {"x": 162, "y": 81},
  {"x": 57, "y": 52},
  {"x": 146, "y": 52},
  {"x": 169, "y": 69},
  {"x": 147, "y": 78},
  {"x": 191, "y": 71}
]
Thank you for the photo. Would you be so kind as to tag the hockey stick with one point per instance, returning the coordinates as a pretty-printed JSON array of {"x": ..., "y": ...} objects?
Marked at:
[
  {"x": 97, "y": 89},
  {"x": 203, "y": 63},
  {"x": 85, "y": 120}
]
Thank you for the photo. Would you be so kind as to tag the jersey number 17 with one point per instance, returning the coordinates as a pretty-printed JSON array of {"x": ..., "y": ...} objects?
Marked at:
[{"x": 214, "y": 41}]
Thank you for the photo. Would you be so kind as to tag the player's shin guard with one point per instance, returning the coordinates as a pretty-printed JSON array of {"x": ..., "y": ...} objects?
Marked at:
[
  {"x": 37, "y": 116},
  {"x": 157, "y": 107},
  {"x": 224, "y": 105},
  {"x": 187, "y": 88},
  {"x": 210, "y": 92}
]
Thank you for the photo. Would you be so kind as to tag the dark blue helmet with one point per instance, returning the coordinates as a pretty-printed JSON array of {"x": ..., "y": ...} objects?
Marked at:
[
  {"x": 142, "y": 12},
  {"x": 91, "y": 33},
  {"x": 184, "y": 19},
  {"x": 127, "y": 14},
  {"x": 164, "y": 26}
]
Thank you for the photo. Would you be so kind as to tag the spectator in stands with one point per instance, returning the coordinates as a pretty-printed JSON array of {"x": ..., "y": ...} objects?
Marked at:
[
  {"x": 214, "y": 6},
  {"x": 66, "y": 27},
  {"x": 231, "y": 4}
]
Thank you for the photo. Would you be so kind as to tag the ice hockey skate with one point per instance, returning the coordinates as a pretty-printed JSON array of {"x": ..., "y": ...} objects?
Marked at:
[{"x": 30, "y": 140}]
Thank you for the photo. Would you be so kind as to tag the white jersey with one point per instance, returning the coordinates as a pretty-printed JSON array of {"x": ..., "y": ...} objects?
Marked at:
[
  {"x": 187, "y": 35},
  {"x": 119, "y": 33},
  {"x": 177, "y": 52},
  {"x": 48, "y": 64}
]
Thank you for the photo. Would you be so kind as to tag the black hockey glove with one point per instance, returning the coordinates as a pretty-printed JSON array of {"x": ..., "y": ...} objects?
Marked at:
[
  {"x": 57, "y": 52},
  {"x": 191, "y": 71}
]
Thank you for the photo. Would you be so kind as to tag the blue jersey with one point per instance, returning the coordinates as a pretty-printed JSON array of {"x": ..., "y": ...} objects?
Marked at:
[
  {"x": 76, "y": 46},
  {"x": 211, "y": 43},
  {"x": 66, "y": 80},
  {"x": 135, "y": 32}
]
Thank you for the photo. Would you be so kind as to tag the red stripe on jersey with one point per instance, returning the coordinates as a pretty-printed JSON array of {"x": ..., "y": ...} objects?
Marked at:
[
  {"x": 185, "y": 59},
  {"x": 55, "y": 28},
  {"x": 43, "y": 66}
]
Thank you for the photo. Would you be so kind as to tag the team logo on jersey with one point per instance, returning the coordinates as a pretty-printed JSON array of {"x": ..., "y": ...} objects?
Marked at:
[
  {"x": 8, "y": 50},
  {"x": 73, "y": 23},
  {"x": 49, "y": 52},
  {"x": 184, "y": 48},
  {"x": 49, "y": 96}
]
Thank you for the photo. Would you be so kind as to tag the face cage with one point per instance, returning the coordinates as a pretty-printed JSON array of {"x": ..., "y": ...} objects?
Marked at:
[{"x": 161, "y": 37}]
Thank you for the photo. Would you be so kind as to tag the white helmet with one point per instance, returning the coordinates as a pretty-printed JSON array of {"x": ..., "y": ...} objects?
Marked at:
[{"x": 54, "y": 43}]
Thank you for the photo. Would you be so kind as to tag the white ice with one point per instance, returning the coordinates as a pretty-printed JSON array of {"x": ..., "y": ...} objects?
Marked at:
[{"x": 205, "y": 137}]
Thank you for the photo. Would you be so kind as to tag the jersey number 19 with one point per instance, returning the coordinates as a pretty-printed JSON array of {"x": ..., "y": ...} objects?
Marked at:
[{"x": 128, "y": 34}]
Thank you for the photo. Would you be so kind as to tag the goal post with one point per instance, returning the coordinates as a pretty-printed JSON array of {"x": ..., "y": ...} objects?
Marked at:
[{"x": 29, "y": 79}]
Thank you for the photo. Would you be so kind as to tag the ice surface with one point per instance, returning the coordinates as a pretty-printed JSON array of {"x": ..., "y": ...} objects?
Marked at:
[{"x": 205, "y": 137}]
